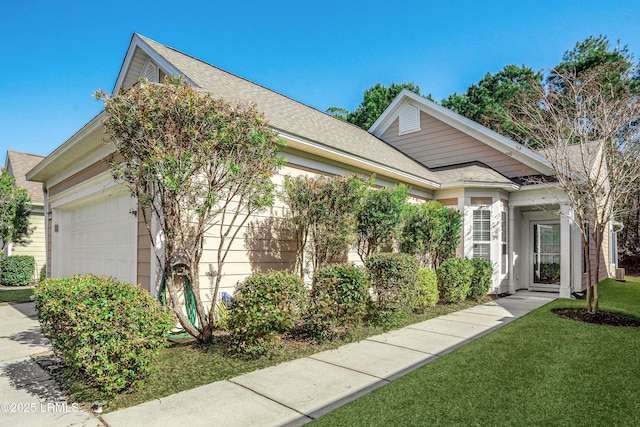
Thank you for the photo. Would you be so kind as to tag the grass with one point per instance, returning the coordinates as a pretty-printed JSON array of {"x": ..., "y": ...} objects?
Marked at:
[
  {"x": 538, "y": 370},
  {"x": 15, "y": 295},
  {"x": 185, "y": 366}
]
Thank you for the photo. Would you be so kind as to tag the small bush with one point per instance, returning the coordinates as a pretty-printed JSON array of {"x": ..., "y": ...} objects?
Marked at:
[
  {"x": 339, "y": 298},
  {"x": 427, "y": 290},
  {"x": 393, "y": 279},
  {"x": 264, "y": 306},
  {"x": 480, "y": 278},
  {"x": 454, "y": 280},
  {"x": 43, "y": 273},
  {"x": 108, "y": 330},
  {"x": 17, "y": 270}
]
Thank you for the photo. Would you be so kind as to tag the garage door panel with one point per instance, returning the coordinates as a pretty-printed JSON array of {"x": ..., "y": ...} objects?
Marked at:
[{"x": 99, "y": 237}]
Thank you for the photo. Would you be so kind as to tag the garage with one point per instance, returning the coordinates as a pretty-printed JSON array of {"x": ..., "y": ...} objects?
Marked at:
[{"x": 97, "y": 235}]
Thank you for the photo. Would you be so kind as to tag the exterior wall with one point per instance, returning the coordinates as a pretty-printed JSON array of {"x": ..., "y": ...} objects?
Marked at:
[
  {"x": 605, "y": 258},
  {"x": 37, "y": 246},
  {"x": 144, "y": 251},
  {"x": 438, "y": 144}
]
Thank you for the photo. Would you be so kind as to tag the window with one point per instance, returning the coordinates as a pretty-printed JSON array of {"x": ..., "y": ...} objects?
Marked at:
[{"x": 482, "y": 233}]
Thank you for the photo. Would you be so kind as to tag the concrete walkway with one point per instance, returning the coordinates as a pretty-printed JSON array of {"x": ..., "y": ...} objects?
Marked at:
[
  {"x": 296, "y": 392},
  {"x": 29, "y": 396}
]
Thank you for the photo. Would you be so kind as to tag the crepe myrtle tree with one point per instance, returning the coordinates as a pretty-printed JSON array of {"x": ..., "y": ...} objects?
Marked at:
[
  {"x": 587, "y": 125},
  {"x": 200, "y": 167}
]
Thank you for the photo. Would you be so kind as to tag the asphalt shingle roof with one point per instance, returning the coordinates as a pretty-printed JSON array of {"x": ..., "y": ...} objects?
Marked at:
[
  {"x": 290, "y": 116},
  {"x": 21, "y": 163}
]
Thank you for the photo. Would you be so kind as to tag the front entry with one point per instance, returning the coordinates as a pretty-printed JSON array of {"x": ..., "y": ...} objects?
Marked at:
[{"x": 546, "y": 255}]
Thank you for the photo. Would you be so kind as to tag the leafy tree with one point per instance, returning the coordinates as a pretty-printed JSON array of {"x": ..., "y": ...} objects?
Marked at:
[
  {"x": 431, "y": 232},
  {"x": 200, "y": 165},
  {"x": 322, "y": 214},
  {"x": 591, "y": 54},
  {"x": 15, "y": 207},
  {"x": 489, "y": 101},
  {"x": 379, "y": 219},
  {"x": 587, "y": 125},
  {"x": 376, "y": 99}
]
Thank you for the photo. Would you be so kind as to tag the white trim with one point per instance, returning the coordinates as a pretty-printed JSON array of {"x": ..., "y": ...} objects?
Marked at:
[
  {"x": 86, "y": 190},
  {"x": 163, "y": 64}
]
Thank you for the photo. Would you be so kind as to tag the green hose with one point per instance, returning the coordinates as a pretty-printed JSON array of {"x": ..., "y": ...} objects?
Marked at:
[{"x": 189, "y": 302}]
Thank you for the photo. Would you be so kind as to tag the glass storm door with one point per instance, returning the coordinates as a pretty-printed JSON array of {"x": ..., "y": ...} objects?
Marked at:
[{"x": 546, "y": 254}]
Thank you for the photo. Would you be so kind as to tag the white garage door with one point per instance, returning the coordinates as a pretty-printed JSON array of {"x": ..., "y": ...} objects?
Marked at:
[{"x": 98, "y": 237}]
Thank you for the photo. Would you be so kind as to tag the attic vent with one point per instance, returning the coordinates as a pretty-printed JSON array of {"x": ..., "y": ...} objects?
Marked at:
[
  {"x": 409, "y": 119},
  {"x": 150, "y": 72}
]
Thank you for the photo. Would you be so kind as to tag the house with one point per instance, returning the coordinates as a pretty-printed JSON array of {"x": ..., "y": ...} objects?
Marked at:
[
  {"x": 17, "y": 165},
  {"x": 524, "y": 228}
]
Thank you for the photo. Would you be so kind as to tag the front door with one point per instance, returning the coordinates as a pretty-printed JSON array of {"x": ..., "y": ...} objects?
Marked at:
[{"x": 546, "y": 255}]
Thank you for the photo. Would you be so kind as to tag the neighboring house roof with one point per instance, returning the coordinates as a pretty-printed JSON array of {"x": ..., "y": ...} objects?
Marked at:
[{"x": 17, "y": 165}]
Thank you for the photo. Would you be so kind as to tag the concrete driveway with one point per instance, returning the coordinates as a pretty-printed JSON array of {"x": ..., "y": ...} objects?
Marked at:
[{"x": 28, "y": 394}]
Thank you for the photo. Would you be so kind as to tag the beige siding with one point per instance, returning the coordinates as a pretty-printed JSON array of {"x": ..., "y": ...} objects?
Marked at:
[
  {"x": 604, "y": 259},
  {"x": 438, "y": 144},
  {"x": 36, "y": 247},
  {"x": 144, "y": 251}
]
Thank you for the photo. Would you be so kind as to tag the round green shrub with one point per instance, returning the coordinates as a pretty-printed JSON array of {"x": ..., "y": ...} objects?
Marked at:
[
  {"x": 427, "y": 290},
  {"x": 17, "y": 270},
  {"x": 264, "y": 306},
  {"x": 43, "y": 273},
  {"x": 480, "y": 278},
  {"x": 111, "y": 331},
  {"x": 339, "y": 298},
  {"x": 454, "y": 280},
  {"x": 393, "y": 280}
]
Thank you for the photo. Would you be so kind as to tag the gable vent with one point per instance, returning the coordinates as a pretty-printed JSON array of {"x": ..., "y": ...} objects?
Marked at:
[
  {"x": 150, "y": 72},
  {"x": 409, "y": 120}
]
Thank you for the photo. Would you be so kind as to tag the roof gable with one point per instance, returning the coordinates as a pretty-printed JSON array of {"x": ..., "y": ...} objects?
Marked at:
[
  {"x": 17, "y": 165},
  {"x": 442, "y": 129}
]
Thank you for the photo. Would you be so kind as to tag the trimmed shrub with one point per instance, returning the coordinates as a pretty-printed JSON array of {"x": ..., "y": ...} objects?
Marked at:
[
  {"x": 108, "y": 330},
  {"x": 43, "y": 273},
  {"x": 265, "y": 305},
  {"x": 454, "y": 280},
  {"x": 17, "y": 270},
  {"x": 339, "y": 298},
  {"x": 480, "y": 278},
  {"x": 427, "y": 290},
  {"x": 393, "y": 280}
]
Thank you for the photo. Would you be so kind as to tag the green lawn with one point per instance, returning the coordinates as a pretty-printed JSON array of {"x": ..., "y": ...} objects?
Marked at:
[
  {"x": 13, "y": 295},
  {"x": 540, "y": 370}
]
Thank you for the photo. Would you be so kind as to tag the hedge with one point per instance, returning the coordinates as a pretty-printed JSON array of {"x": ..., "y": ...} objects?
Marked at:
[{"x": 17, "y": 270}]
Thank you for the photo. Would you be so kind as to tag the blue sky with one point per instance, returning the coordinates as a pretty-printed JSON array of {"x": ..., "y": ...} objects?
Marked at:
[{"x": 54, "y": 55}]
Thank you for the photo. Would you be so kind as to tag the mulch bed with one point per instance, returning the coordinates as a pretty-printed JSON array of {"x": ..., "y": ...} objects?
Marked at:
[{"x": 601, "y": 318}]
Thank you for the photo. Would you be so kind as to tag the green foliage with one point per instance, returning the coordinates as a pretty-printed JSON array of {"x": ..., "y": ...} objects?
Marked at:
[
  {"x": 480, "y": 278},
  {"x": 193, "y": 161},
  {"x": 489, "y": 101},
  {"x": 17, "y": 270},
  {"x": 427, "y": 290},
  {"x": 614, "y": 62},
  {"x": 15, "y": 208},
  {"x": 108, "y": 330},
  {"x": 454, "y": 280},
  {"x": 322, "y": 213},
  {"x": 379, "y": 219},
  {"x": 431, "y": 232},
  {"x": 393, "y": 280},
  {"x": 375, "y": 100},
  {"x": 339, "y": 299},
  {"x": 43, "y": 273},
  {"x": 264, "y": 306}
]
